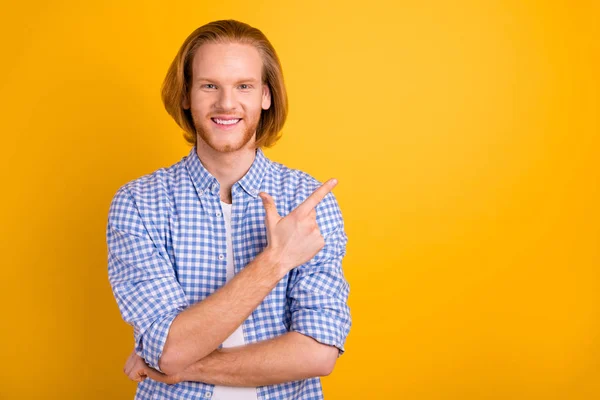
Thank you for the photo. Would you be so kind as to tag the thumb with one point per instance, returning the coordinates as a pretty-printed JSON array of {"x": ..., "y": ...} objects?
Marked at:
[{"x": 272, "y": 216}]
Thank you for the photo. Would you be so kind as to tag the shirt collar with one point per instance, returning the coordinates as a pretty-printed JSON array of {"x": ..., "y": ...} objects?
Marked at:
[{"x": 205, "y": 182}]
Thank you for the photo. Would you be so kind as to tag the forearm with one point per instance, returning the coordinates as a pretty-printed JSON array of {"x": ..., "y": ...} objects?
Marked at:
[
  {"x": 289, "y": 357},
  {"x": 201, "y": 328}
]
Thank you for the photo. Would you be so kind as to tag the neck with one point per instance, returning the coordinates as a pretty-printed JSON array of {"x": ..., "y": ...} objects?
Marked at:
[{"x": 227, "y": 168}]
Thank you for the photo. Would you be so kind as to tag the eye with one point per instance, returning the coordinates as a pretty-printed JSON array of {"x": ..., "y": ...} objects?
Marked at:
[
  {"x": 206, "y": 86},
  {"x": 245, "y": 86}
]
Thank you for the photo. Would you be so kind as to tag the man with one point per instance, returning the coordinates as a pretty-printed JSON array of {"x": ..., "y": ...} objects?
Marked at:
[{"x": 228, "y": 264}]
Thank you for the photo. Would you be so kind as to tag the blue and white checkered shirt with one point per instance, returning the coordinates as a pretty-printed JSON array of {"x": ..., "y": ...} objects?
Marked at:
[{"x": 167, "y": 250}]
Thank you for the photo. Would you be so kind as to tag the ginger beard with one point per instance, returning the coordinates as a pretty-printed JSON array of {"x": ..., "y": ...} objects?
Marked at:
[{"x": 214, "y": 138}]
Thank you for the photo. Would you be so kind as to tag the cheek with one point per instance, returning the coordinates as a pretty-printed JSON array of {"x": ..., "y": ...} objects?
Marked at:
[
  {"x": 254, "y": 105},
  {"x": 202, "y": 101},
  {"x": 200, "y": 106}
]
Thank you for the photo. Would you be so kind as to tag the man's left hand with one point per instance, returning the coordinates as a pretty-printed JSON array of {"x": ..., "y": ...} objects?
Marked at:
[{"x": 137, "y": 370}]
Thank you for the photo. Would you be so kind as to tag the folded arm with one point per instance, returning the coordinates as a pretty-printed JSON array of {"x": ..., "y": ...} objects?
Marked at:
[
  {"x": 286, "y": 358},
  {"x": 171, "y": 334},
  {"x": 167, "y": 328},
  {"x": 317, "y": 294}
]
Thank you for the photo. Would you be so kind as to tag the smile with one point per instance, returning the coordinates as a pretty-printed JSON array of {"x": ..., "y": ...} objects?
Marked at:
[
  {"x": 226, "y": 124},
  {"x": 225, "y": 121}
]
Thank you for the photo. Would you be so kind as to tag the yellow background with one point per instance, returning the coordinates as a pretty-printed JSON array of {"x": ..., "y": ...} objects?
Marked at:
[{"x": 464, "y": 134}]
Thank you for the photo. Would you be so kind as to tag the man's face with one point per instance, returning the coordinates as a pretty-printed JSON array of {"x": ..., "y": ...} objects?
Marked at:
[{"x": 227, "y": 95}]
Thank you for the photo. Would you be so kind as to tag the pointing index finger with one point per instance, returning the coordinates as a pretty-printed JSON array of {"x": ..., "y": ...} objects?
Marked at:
[{"x": 316, "y": 196}]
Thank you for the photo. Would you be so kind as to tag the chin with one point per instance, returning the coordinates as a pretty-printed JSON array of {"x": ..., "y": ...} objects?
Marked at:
[
  {"x": 238, "y": 141},
  {"x": 223, "y": 146},
  {"x": 226, "y": 148}
]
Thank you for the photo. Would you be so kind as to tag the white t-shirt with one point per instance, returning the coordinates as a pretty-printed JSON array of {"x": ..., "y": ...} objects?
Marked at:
[{"x": 237, "y": 337}]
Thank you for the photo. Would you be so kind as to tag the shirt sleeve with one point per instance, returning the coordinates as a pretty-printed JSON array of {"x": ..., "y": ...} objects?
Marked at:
[
  {"x": 142, "y": 278},
  {"x": 318, "y": 291}
]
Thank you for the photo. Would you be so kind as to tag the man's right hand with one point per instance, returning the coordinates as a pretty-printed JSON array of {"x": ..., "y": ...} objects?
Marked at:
[{"x": 295, "y": 238}]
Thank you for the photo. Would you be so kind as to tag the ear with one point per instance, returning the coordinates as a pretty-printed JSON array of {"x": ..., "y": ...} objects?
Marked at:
[
  {"x": 266, "y": 97},
  {"x": 185, "y": 103}
]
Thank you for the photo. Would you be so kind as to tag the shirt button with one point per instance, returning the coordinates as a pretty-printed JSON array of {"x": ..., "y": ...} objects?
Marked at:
[
  {"x": 219, "y": 213},
  {"x": 201, "y": 192},
  {"x": 221, "y": 257},
  {"x": 254, "y": 191},
  {"x": 207, "y": 394}
]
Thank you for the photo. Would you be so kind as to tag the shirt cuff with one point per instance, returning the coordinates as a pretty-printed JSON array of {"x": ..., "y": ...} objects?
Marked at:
[
  {"x": 321, "y": 326},
  {"x": 154, "y": 339}
]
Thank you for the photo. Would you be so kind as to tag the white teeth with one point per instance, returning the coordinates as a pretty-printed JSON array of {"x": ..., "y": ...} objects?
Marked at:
[{"x": 226, "y": 121}]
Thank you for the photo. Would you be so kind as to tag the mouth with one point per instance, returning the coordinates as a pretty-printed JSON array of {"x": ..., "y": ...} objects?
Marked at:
[{"x": 226, "y": 123}]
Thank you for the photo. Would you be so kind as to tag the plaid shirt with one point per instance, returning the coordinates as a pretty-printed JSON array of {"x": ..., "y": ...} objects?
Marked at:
[{"x": 167, "y": 250}]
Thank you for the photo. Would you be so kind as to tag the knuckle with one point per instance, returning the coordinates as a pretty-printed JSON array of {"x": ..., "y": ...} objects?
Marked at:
[{"x": 307, "y": 229}]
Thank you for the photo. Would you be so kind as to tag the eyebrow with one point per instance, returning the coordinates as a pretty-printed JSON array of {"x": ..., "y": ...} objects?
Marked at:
[{"x": 253, "y": 80}]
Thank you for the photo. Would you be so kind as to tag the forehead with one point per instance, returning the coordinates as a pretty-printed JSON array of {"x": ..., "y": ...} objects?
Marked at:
[{"x": 227, "y": 62}]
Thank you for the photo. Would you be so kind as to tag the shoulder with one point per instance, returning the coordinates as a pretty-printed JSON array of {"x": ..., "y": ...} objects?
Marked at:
[
  {"x": 292, "y": 181},
  {"x": 150, "y": 194}
]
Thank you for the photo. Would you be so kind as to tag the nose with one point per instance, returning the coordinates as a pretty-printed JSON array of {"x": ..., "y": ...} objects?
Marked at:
[{"x": 226, "y": 100}]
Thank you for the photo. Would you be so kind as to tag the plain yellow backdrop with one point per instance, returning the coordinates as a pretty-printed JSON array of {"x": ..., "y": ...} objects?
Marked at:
[{"x": 465, "y": 137}]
